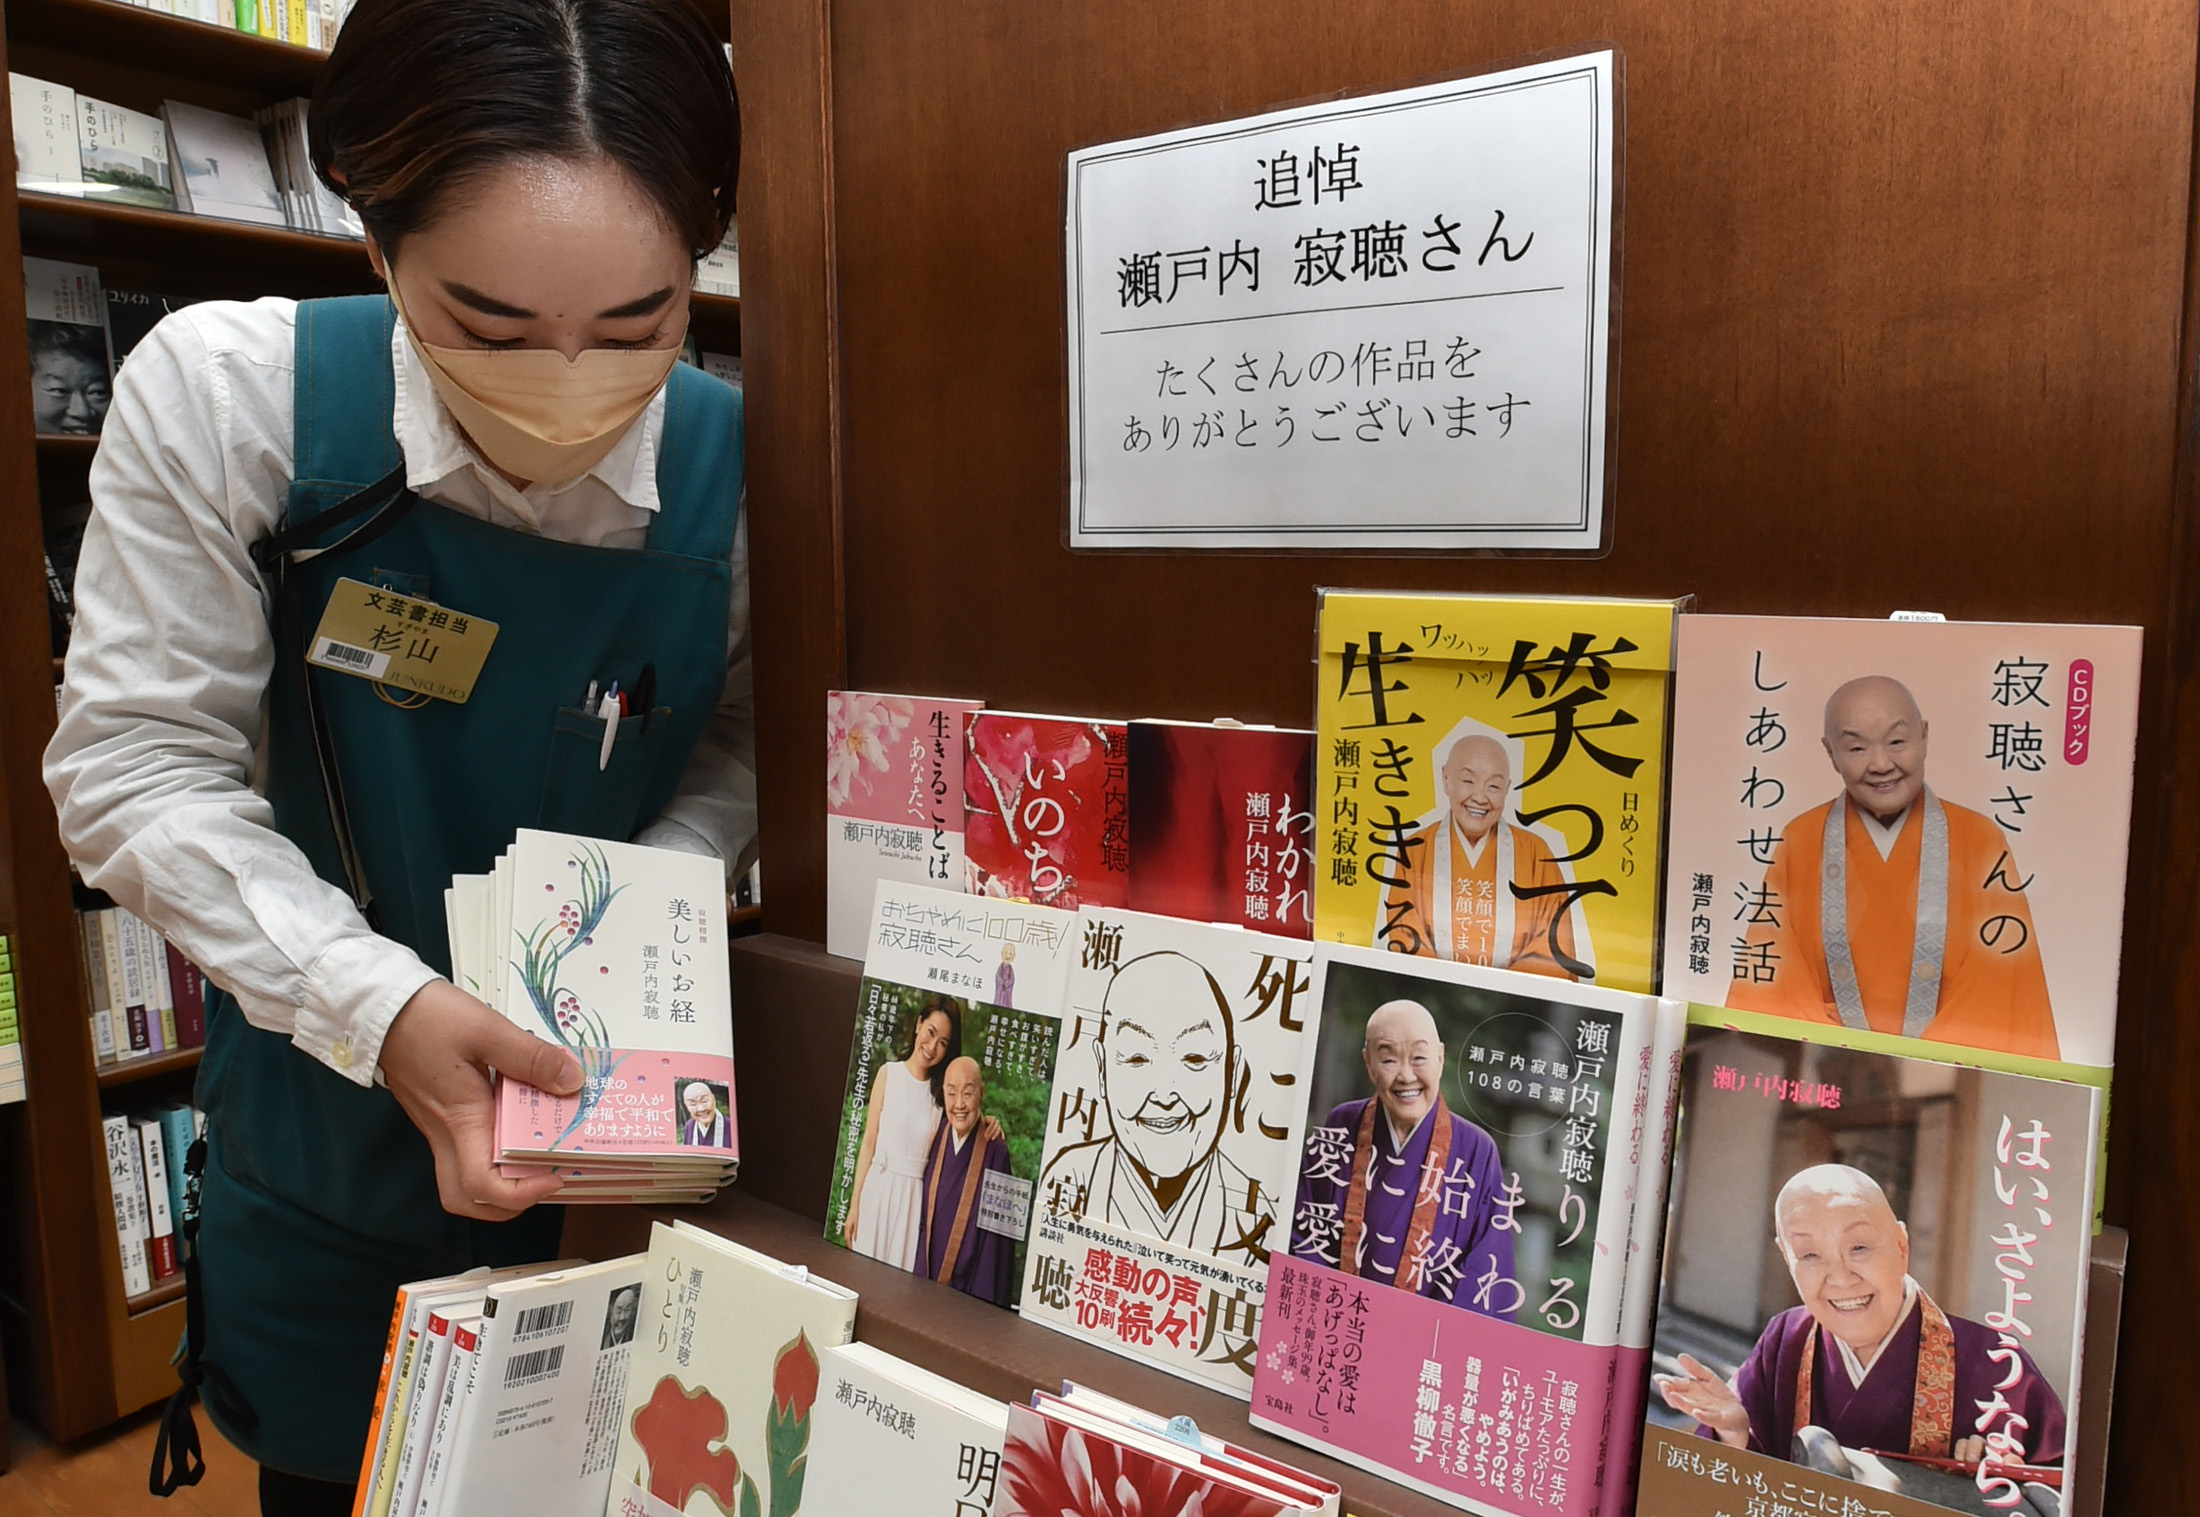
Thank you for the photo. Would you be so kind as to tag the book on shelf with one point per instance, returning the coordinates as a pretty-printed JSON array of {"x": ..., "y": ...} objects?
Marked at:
[
  {"x": 1474, "y": 1214},
  {"x": 720, "y": 271},
  {"x": 147, "y": 1151},
  {"x": 132, "y": 315},
  {"x": 152, "y": 1140},
  {"x": 1046, "y": 803},
  {"x": 48, "y": 159},
  {"x": 726, "y": 366},
  {"x": 11, "y": 1029},
  {"x": 1909, "y": 828},
  {"x": 145, "y": 997},
  {"x": 133, "y": 1217},
  {"x": 62, "y": 518},
  {"x": 949, "y": 1079},
  {"x": 1910, "y": 1341},
  {"x": 1172, "y": 1140},
  {"x": 893, "y": 802},
  {"x": 221, "y": 167},
  {"x": 308, "y": 204},
  {"x": 1060, "y": 1450},
  {"x": 71, "y": 376},
  {"x": 724, "y": 1378},
  {"x": 1492, "y": 772},
  {"x": 616, "y": 952},
  {"x": 891, "y": 1436},
  {"x": 124, "y": 156},
  {"x": 1221, "y": 825}
]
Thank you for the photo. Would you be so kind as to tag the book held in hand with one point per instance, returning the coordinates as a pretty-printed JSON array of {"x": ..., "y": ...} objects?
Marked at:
[
  {"x": 1172, "y": 1140},
  {"x": 949, "y": 1077},
  {"x": 1876, "y": 1276},
  {"x": 616, "y": 952},
  {"x": 893, "y": 802},
  {"x": 1492, "y": 776},
  {"x": 1472, "y": 1218}
]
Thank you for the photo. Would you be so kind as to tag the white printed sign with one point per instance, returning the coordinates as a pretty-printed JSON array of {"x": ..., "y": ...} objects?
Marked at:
[{"x": 1381, "y": 322}]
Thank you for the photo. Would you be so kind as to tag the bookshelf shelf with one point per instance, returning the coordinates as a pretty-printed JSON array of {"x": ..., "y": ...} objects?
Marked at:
[
  {"x": 132, "y": 1071},
  {"x": 170, "y": 1289},
  {"x": 93, "y": 230},
  {"x": 112, "y": 28},
  {"x": 64, "y": 445}
]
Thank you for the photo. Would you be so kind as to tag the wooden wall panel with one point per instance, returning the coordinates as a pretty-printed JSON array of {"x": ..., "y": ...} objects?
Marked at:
[{"x": 1900, "y": 326}]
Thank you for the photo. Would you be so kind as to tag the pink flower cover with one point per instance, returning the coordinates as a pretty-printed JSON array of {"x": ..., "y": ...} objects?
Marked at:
[
  {"x": 1047, "y": 809},
  {"x": 1049, "y": 1469},
  {"x": 1477, "y": 1412}
]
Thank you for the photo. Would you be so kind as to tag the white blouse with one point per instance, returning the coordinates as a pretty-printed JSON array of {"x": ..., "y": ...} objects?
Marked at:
[{"x": 163, "y": 704}]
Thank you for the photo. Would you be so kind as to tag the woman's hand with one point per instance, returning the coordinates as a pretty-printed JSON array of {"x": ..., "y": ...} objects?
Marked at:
[
  {"x": 1704, "y": 1396},
  {"x": 438, "y": 1058},
  {"x": 848, "y": 1228},
  {"x": 989, "y": 1128}
]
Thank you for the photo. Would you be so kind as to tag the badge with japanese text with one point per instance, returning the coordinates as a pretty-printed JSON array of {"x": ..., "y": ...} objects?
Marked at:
[
  {"x": 1449, "y": 1313},
  {"x": 1220, "y": 828},
  {"x": 1375, "y": 322},
  {"x": 948, "y": 1080},
  {"x": 1489, "y": 780},
  {"x": 1047, "y": 809},
  {"x": 1172, "y": 1141},
  {"x": 1909, "y": 828},
  {"x": 893, "y": 802},
  {"x": 1875, "y": 1283},
  {"x": 401, "y": 640},
  {"x": 618, "y": 953}
]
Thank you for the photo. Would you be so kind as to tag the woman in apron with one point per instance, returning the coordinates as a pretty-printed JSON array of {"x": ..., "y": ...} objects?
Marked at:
[{"x": 498, "y": 463}]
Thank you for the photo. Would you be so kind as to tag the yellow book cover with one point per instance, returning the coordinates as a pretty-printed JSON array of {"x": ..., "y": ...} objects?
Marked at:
[{"x": 1490, "y": 778}]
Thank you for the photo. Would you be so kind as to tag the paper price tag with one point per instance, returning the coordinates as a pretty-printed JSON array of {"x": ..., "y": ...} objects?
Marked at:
[{"x": 401, "y": 640}]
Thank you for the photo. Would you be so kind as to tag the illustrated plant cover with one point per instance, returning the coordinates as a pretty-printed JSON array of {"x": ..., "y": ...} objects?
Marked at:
[
  {"x": 1489, "y": 780},
  {"x": 949, "y": 1075},
  {"x": 1172, "y": 1140},
  {"x": 1464, "y": 1304},
  {"x": 1875, "y": 1282}
]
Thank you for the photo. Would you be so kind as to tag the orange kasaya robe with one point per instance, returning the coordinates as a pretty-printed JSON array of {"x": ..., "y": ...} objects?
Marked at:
[
  {"x": 1991, "y": 989},
  {"x": 1412, "y": 919}
]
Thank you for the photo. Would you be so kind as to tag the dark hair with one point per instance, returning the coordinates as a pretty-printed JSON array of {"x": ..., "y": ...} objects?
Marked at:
[
  {"x": 422, "y": 97},
  {"x": 939, "y": 1006}
]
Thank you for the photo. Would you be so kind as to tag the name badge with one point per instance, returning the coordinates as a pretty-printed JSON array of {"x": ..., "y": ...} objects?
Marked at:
[{"x": 401, "y": 640}]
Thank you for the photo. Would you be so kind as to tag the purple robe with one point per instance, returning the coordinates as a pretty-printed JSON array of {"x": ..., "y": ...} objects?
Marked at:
[
  {"x": 1876, "y": 1415},
  {"x": 1465, "y": 1244},
  {"x": 1004, "y": 985},
  {"x": 985, "y": 1264}
]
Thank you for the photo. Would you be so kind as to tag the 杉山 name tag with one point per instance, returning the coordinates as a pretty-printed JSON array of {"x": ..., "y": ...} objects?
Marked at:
[{"x": 401, "y": 640}]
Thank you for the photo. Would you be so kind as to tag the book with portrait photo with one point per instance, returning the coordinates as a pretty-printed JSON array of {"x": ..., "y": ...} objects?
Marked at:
[
  {"x": 1489, "y": 779},
  {"x": 893, "y": 802},
  {"x": 949, "y": 1075},
  {"x": 1875, "y": 1281},
  {"x": 1473, "y": 1232},
  {"x": 71, "y": 375},
  {"x": 1914, "y": 829},
  {"x": 1172, "y": 1139}
]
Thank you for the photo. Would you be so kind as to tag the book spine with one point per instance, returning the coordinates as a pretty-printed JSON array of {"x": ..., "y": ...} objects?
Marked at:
[
  {"x": 377, "y": 1497},
  {"x": 161, "y": 1225},
  {"x": 458, "y": 1383},
  {"x": 95, "y": 985},
  {"x": 190, "y": 997},
  {"x": 122, "y": 980},
  {"x": 138, "y": 956},
  {"x": 176, "y": 1135},
  {"x": 162, "y": 989},
  {"x": 122, "y": 1182},
  {"x": 370, "y": 1465},
  {"x": 427, "y": 1393}
]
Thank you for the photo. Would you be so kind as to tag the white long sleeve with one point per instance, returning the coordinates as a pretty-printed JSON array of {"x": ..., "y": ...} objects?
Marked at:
[{"x": 163, "y": 700}]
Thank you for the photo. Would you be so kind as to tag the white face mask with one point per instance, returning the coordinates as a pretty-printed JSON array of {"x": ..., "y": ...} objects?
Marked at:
[{"x": 536, "y": 414}]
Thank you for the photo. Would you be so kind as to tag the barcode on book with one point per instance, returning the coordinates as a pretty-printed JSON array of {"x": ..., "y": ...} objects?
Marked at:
[
  {"x": 538, "y": 1320},
  {"x": 331, "y": 654},
  {"x": 535, "y": 1364}
]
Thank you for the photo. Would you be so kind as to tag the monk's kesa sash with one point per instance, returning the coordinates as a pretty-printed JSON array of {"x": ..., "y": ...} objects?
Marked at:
[
  {"x": 1442, "y": 926},
  {"x": 1929, "y": 950},
  {"x": 971, "y": 1177},
  {"x": 1427, "y": 1192},
  {"x": 1933, "y": 1414}
]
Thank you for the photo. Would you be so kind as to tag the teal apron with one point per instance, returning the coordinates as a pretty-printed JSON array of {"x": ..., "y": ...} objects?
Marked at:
[{"x": 318, "y": 1196}]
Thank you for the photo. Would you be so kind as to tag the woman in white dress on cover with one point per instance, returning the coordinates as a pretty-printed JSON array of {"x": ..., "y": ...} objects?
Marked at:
[{"x": 906, "y": 1100}]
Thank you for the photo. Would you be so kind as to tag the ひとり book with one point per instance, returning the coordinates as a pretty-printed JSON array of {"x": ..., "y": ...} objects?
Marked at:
[
  {"x": 1491, "y": 779},
  {"x": 1172, "y": 1140},
  {"x": 893, "y": 802},
  {"x": 949, "y": 1076}
]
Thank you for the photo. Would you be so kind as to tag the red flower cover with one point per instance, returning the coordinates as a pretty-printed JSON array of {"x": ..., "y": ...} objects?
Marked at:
[
  {"x": 1047, "y": 803},
  {"x": 1052, "y": 1470}
]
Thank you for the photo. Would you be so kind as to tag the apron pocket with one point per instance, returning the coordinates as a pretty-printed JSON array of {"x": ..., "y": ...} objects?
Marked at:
[{"x": 578, "y": 797}]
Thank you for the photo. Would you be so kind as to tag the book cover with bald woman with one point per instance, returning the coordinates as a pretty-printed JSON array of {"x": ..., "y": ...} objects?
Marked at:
[
  {"x": 1874, "y": 1285},
  {"x": 1905, "y": 828},
  {"x": 1489, "y": 780}
]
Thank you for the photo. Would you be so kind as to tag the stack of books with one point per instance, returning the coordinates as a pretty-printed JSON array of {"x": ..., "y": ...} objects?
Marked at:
[
  {"x": 618, "y": 953},
  {"x": 146, "y": 1154},
  {"x": 146, "y": 998}
]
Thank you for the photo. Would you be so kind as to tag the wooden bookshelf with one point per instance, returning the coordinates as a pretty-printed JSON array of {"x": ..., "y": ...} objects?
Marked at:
[{"x": 79, "y": 1352}]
